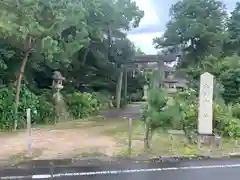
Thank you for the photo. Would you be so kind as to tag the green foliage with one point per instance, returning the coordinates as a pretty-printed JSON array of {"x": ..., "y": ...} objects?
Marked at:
[
  {"x": 232, "y": 45},
  {"x": 226, "y": 121},
  {"x": 36, "y": 24},
  {"x": 197, "y": 27},
  {"x": 41, "y": 110},
  {"x": 225, "y": 117},
  {"x": 157, "y": 114},
  {"x": 208, "y": 41},
  {"x": 157, "y": 99},
  {"x": 183, "y": 114},
  {"x": 231, "y": 82},
  {"x": 81, "y": 104},
  {"x": 6, "y": 108},
  {"x": 104, "y": 99},
  {"x": 188, "y": 105},
  {"x": 69, "y": 36},
  {"x": 45, "y": 110}
]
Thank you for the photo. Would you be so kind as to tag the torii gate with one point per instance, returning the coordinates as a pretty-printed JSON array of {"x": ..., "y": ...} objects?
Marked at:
[{"x": 131, "y": 65}]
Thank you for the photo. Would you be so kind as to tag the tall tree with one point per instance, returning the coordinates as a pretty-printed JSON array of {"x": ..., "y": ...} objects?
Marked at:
[
  {"x": 233, "y": 45},
  {"x": 106, "y": 25},
  {"x": 196, "y": 27},
  {"x": 37, "y": 26}
]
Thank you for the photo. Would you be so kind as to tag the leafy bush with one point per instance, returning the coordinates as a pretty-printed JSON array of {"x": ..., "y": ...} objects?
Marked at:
[
  {"x": 226, "y": 121},
  {"x": 104, "y": 99},
  {"x": 45, "y": 111},
  {"x": 183, "y": 114},
  {"x": 82, "y": 104},
  {"x": 40, "y": 108},
  {"x": 6, "y": 108},
  {"x": 231, "y": 82},
  {"x": 158, "y": 113},
  {"x": 225, "y": 117}
]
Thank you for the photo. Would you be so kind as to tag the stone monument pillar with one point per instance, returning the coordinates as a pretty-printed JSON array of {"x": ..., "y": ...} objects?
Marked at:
[{"x": 205, "y": 113}]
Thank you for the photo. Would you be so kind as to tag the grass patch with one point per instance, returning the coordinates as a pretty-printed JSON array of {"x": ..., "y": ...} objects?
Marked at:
[
  {"x": 162, "y": 143},
  {"x": 89, "y": 154},
  {"x": 121, "y": 127},
  {"x": 76, "y": 124},
  {"x": 166, "y": 144},
  {"x": 124, "y": 152}
]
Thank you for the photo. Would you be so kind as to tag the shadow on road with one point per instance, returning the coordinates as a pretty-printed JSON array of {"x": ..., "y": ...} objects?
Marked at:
[{"x": 133, "y": 112}]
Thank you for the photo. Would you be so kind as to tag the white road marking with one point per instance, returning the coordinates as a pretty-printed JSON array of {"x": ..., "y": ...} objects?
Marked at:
[{"x": 48, "y": 176}]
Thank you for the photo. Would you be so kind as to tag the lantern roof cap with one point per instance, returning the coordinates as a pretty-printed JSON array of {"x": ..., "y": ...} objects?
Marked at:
[{"x": 57, "y": 75}]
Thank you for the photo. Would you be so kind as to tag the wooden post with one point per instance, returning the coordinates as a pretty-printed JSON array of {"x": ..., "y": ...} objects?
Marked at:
[
  {"x": 29, "y": 132},
  {"x": 119, "y": 88},
  {"x": 130, "y": 136}
]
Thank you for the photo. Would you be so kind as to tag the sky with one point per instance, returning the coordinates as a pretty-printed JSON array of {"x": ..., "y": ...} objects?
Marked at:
[{"x": 154, "y": 21}]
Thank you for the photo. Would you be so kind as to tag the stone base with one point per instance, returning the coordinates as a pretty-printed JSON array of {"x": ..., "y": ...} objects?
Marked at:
[{"x": 212, "y": 140}]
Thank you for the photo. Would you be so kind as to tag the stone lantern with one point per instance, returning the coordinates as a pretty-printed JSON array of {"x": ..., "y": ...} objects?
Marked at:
[
  {"x": 57, "y": 81},
  {"x": 60, "y": 106},
  {"x": 170, "y": 83}
]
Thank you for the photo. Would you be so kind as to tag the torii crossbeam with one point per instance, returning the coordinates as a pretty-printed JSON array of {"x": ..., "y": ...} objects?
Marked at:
[{"x": 142, "y": 59}]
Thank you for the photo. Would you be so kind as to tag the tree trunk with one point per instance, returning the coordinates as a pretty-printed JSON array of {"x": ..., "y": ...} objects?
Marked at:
[
  {"x": 19, "y": 80},
  {"x": 85, "y": 56}
]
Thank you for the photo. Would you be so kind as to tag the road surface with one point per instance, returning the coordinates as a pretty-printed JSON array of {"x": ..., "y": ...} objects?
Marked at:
[
  {"x": 178, "y": 170},
  {"x": 133, "y": 111}
]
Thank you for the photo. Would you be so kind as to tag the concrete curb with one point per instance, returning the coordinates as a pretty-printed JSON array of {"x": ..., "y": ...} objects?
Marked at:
[
  {"x": 194, "y": 157},
  {"x": 97, "y": 161}
]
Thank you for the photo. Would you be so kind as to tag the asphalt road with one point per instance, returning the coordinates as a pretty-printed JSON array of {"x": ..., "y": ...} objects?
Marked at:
[
  {"x": 178, "y": 170},
  {"x": 129, "y": 112}
]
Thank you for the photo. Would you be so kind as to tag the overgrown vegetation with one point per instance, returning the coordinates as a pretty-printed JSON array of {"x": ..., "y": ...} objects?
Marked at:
[
  {"x": 208, "y": 41},
  {"x": 84, "y": 40}
]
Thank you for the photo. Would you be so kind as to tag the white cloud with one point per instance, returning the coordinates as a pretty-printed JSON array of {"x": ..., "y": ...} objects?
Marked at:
[
  {"x": 150, "y": 16},
  {"x": 156, "y": 13},
  {"x": 144, "y": 41}
]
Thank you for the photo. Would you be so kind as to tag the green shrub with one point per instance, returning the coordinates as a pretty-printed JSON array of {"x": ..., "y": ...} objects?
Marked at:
[
  {"x": 104, "y": 99},
  {"x": 158, "y": 114},
  {"x": 225, "y": 117},
  {"x": 41, "y": 109},
  {"x": 225, "y": 122},
  {"x": 183, "y": 114},
  {"x": 82, "y": 104},
  {"x": 6, "y": 108},
  {"x": 45, "y": 111},
  {"x": 236, "y": 110},
  {"x": 231, "y": 83}
]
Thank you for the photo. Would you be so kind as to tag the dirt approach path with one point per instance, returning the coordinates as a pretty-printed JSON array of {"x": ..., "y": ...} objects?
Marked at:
[
  {"x": 67, "y": 139},
  {"x": 132, "y": 111},
  {"x": 50, "y": 143}
]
